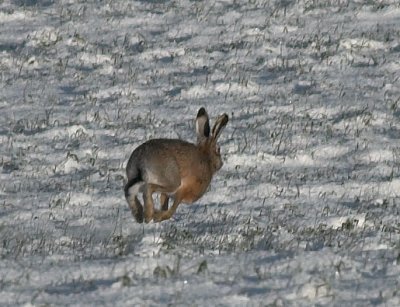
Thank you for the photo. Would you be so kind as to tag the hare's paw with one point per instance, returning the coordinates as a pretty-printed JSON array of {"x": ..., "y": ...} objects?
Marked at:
[
  {"x": 159, "y": 216},
  {"x": 148, "y": 218},
  {"x": 139, "y": 217},
  {"x": 137, "y": 211}
]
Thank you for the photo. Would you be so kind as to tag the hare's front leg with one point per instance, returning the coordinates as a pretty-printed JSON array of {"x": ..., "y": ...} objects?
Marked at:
[
  {"x": 150, "y": 188},
  {"x": 166, "y": 186},
  {"x": 167, "y": 214}
]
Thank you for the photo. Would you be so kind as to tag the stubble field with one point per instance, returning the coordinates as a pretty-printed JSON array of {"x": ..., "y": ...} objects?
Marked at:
[{"x": 305, "y": 210}]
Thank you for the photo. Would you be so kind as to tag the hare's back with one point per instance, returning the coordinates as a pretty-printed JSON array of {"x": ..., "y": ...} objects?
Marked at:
[
  {"x": 164, "y": 154},
  {"x": 163, "y": 151},
  {"x": 169, "y": 148}
]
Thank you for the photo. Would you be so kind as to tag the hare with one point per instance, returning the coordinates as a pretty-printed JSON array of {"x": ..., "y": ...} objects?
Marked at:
[{"x": 174, "y": 168}]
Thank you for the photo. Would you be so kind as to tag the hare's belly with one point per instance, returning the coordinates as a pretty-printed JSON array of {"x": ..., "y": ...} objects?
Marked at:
[{"x": 192, "y": 188}]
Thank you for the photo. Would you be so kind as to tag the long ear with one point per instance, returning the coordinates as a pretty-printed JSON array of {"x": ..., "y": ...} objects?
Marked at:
[
  {"x": 220, "y": 123},
  {"x": 202, "y": 125}
]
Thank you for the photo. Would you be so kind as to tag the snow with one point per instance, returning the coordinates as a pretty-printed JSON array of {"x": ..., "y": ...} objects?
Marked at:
[{"x": 305, "y": 210}]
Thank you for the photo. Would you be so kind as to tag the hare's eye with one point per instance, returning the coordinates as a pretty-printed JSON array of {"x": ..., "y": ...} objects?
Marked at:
[{"x": 217, "y": 150}]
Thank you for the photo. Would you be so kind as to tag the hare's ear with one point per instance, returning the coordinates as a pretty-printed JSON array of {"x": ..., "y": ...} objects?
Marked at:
[
  {"x": 220, "y": 123},
  {"x": 202, "y": 125}
]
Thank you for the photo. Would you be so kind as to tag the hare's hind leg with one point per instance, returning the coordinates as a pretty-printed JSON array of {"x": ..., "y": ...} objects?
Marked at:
[
  {"x": 136, "y": 207},
  {"x": 167, "y": 214},
  {"x": 164, "y": 199},
  {"x": 148, "y": 201}
]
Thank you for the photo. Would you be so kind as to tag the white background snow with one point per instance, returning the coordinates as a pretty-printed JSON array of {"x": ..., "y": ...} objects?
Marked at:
[{"x": 305, "y": 210}]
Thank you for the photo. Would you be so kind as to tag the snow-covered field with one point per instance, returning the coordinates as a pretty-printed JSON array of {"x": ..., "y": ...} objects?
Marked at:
[{"x": 306, "y": 209}]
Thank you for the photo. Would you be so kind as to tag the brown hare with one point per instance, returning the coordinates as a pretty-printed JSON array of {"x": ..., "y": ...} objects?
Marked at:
[{"x": 174, "y": 168}]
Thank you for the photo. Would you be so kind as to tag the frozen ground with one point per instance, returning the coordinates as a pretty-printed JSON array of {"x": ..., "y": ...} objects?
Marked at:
[{"x": 305, "y": 211}]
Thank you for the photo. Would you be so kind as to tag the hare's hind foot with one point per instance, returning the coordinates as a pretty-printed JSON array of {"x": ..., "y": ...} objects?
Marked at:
[
  {"x": 159, "y": 216},
  {"x": 136, "y": 210},
  {"x": 132, "y": 188}
]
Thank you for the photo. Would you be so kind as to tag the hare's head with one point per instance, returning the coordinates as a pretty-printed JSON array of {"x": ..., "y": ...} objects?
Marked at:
[{"x": 207, "y": 140}]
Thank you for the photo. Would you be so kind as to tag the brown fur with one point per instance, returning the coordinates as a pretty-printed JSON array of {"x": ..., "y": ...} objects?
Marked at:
[{"x": 173, "y": 168}]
